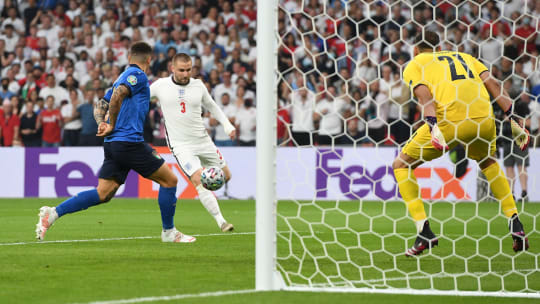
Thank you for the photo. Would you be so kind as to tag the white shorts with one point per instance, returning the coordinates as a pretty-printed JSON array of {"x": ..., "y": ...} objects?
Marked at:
[{"x": 194, "y": 156}]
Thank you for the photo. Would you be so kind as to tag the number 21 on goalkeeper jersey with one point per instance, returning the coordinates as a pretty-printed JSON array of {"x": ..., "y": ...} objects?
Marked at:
[{"x": 453, "y": 80}]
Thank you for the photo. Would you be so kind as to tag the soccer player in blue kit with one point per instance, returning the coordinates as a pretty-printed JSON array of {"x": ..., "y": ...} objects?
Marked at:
[{"x": 125, "y": 150}]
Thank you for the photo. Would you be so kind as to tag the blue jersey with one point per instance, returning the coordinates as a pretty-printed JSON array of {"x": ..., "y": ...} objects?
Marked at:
[
  {"x": 108, "y": 95},
  {"x": 130, "y": 121}
]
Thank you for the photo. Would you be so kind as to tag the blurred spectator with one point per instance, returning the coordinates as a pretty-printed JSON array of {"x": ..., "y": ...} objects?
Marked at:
[
  {"x": 527, "y": 33},
  {"x": 13, "y": 21},
  {"x": 164, "y": 43},
  {"x": 377, "y": 115},
  {"x": 283, "y": 123},
  {"x": 302, "y": 108},
  {"x": 328, "y": 44},
  {"x": 9, "y": 123},
  {"x": 72, "y": 123},
  {"x": 16, "y": 104},
  {"x": 159, "y": 133},
  {"x": 400, "y": 116},
  {"x": 491, "y": 48},
  {"x": 87, "y": 136},
  {"x": 226, "y": 87},
  {"x": 50, "y": 119},
  {"x": 230, "y": 110},
  {"x": 5, "y": 93},
  {"x": 330, "y": 113},
  {"x": 30, "y": 135},
  {"x": 495, "y": 24},
  {"x": 512, "y": 154},
  {"x": 57, "y": 92},
  {"x": 246, "y": 122},
  {"x": 10, "y": 37}
]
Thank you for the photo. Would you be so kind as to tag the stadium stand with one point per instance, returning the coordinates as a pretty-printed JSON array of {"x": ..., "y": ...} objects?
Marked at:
[{"x": 62, "y": 49}]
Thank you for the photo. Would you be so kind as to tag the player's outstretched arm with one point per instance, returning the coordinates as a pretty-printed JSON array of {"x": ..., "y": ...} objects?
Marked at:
[
  {"x": 519, "y": 133},
  {"x": 426, "y": 101},
  {"x": 218, "y": 114}
]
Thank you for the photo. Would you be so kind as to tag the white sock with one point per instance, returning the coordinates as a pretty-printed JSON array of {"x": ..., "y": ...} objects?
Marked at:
[
  {"x": 169, "y": 230},
  {"x": 210, "y": 202},
  {"x": 53, "y": 216},
  {"x": 420, "y": 225}
]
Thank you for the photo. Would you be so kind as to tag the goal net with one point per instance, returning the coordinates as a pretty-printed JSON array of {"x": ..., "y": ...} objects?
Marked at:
[{"x": 344, "y": 113}]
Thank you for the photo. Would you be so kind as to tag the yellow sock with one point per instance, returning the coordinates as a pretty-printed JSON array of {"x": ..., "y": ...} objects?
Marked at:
[
  {"x": 408, "y": 187},
  {"x": 500, "y": 188}
]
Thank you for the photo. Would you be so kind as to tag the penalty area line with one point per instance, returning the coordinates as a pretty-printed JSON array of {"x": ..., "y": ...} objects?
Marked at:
[
  {"x": 175, "y": 297},
  {"x": 119, "y": 239}
]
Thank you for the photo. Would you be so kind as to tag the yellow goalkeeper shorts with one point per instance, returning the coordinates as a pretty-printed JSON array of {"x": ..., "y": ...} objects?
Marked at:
[{"x": 477, "y": 135}]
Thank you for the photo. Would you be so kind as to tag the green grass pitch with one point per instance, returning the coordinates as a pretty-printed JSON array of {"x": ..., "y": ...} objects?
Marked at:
[{"x": 119, "y": 254}]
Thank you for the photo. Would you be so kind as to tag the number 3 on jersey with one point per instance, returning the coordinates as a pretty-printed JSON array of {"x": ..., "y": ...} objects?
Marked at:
[{"x": 182, "y": 106}]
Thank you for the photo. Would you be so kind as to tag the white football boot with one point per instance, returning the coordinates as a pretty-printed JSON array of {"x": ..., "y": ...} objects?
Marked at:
[
  {"x": 175, "y": 236},
  {"x": 227, "y": 227},
  {"x": 47, "y": 216}
]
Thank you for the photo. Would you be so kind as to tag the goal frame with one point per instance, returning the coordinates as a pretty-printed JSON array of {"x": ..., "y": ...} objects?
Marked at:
[{"x": 267, "y": 277}]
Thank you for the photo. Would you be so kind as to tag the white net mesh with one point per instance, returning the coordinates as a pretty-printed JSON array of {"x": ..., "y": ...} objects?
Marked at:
[{"x": 345, "y": 113}]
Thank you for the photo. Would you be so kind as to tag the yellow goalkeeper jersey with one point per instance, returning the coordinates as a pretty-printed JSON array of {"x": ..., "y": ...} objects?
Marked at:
[{"x": 454, "y": 81}]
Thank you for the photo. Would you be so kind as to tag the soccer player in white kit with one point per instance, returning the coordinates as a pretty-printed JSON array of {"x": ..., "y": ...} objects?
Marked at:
[{"x": 181, "y": 98}]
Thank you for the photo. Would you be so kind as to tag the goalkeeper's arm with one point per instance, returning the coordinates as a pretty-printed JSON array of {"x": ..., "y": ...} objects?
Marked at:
[
  {"x": 519, "y": 133},
  {"x": 426, "y": 101}
]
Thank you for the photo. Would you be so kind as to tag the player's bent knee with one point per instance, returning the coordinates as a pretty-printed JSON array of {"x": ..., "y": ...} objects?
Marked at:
[
  {"x": 106, "y": 195},
  {"x": 196, "y": 178},
  {"x": 173, "y": 180},
  {"x": 106, "y": 189}
]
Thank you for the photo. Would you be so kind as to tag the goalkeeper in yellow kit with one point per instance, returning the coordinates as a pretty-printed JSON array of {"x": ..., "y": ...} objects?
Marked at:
[{"x": 453, "y": 90}]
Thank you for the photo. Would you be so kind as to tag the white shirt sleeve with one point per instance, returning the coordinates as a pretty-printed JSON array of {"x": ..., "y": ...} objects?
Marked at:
[
  {"x": 216, "y": 112},
  {"x": 154, "y": 89}
]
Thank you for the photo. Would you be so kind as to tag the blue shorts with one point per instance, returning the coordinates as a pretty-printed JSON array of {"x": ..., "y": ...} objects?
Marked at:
[{"x": 122, "y": 156}]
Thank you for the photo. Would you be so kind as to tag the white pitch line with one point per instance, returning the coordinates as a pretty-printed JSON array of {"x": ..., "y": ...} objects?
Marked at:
[
  {"x": 418, "y": 292},
  {"x": 215, "y": 234},
  {"x": 176, "y": 297},
  {"x": 118, "y": 239},
  {"x": 443, "y": 275}
]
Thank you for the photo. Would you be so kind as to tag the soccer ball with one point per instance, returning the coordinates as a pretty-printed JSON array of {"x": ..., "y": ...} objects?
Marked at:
[{"x": 212, "y": 178}]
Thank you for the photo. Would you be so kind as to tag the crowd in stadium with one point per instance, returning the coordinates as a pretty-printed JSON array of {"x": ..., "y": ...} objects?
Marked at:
[{"x": 341, "y": 71}]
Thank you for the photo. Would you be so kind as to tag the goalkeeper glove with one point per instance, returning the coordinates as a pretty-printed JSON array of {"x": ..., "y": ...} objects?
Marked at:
[
  {"x": 437, "y": 138},
  {"x": 519, "y": 133}
]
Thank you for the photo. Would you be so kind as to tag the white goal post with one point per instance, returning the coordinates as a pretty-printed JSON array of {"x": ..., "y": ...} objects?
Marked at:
[
  {"x": 266, "y": 146},
  {"x": 329, "y": 216}
]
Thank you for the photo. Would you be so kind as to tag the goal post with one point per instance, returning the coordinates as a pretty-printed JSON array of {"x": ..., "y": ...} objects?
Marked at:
[
  {"x": 265, "y": 218},
  {"x": 329, "y": 216}
]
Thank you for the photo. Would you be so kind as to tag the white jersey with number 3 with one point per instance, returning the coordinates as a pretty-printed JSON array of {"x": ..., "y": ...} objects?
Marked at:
[
  {"x": 182, "y": 109},
  {"x": 186, "y": 134}
]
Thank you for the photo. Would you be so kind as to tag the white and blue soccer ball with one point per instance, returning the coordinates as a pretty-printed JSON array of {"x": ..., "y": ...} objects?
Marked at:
[{"x": 212, "y": 178}]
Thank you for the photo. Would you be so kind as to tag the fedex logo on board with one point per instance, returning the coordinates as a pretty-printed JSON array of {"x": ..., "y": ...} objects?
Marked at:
[
  {"x": 357, "y": 182},
  {"x": 74, "y": 173}
]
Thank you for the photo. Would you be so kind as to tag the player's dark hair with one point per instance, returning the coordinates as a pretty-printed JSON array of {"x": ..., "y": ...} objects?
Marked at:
[
  {"x": 427, "y": 40},
  {"x": 183, "y": 57},
  {"x": 140, "y": 51}
]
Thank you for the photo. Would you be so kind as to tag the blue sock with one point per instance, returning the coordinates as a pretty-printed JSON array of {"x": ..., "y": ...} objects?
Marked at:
[
  {"x": 79, "y": 202},
  {"x": 167, "y": 205}
]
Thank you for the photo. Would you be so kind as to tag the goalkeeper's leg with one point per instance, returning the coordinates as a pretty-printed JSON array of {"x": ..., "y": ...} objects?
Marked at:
[
  {"x": 408, "y": 187},
  {"x": 501, "y": 190}
]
